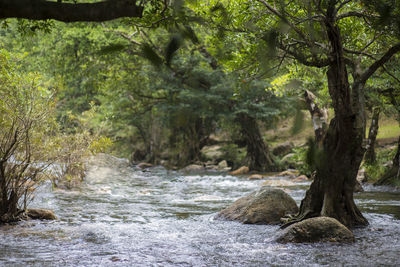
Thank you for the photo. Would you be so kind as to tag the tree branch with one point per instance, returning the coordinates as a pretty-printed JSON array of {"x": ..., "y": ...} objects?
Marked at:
[
  {"x": 343, "y": 4},
  {"x": 283, "y": 18},
  {"x": 353, "y": 14},
  {"x": 385, "y": 58},
  {"x": 68, "y": 12},
  {"x": 315, "y": 62}
]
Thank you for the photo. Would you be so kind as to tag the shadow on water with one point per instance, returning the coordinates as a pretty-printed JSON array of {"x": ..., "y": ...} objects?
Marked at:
[{"x": 126, "y": 217}]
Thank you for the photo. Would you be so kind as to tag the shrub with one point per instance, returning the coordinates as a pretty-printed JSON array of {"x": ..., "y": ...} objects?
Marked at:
[{"x": 27, "y": 124}]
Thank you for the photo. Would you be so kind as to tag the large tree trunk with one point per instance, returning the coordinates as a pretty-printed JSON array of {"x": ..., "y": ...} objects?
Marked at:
[
  {"x": 393, "y": 174},
  {"x": 370, "y": 156},
  {"x": 258, "y": 155},
  {"x": 331, "y": 193}
]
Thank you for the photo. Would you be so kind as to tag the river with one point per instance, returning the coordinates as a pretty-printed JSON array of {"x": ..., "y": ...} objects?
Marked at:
[{"x": 122, "y": 216}]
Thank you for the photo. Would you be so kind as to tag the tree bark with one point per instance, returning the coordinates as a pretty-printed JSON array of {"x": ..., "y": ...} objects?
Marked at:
[
  {"x": 69, "y": 12},
  {"x": 370, "y": 156},
  {"x": 319, "y": 117},
  {"x": 331, "y": 193},
  {"x": 258, "y": 155},
  {"x": 393, "y": 174}
]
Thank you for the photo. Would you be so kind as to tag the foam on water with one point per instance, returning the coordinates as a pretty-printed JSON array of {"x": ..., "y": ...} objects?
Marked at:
[{"x": 127, "y": 217}]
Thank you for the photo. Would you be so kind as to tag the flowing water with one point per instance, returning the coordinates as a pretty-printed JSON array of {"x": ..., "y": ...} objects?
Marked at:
[{"x": 127, "y": 217}]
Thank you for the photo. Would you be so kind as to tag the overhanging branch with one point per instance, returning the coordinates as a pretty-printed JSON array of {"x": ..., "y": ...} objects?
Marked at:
[
  {"x": 68, "y": 12},
  {"x": 385, "y": 58}
]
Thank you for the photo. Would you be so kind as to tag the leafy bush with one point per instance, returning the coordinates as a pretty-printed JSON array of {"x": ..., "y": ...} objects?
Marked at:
[
  {"x": 30, "y": 143},
  {"x": 26, "y": 149}
]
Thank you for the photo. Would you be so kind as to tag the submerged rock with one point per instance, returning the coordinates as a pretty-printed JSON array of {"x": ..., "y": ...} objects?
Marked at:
[
  {"x": 193, "y": 167},
  {"x": 301, "y": 178},
  {"x": 240, "y": 171},
  {"x": 144, "y": 165},
  {"x": 318, "y": 229},
  {"x": 264, "y": 206},
  {"x": 278, "y": 183},
  {"x": 41, "y": 214},
  {"x": 256, "y": 177},
  {"x": 290, "y": 173}
]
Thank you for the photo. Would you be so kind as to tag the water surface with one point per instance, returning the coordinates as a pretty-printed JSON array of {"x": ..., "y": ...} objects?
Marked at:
[{"x": 127, "y": 217}]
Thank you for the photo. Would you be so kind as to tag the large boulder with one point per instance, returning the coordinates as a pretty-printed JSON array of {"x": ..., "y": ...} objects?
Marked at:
[
  {"x": 264, "y": 206},
  {"x": 41, "y": 214},
  {"x": 318, "y": 229}
]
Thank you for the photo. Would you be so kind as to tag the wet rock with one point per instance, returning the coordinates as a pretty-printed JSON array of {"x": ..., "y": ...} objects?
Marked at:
[
  {"x": 264, "y": 206},
  {"x": 193, "y": 168},
  {"x": 223, "y": 164},
  {"x": 256, "y": 177},
  {"x": 290, "y": 173},
  {"x": 282, "y": 149},
  {"x": 301, "y": 178},
  {"x": 318, "y": 229},
  {"x": 144, "y": 165},
  {"x": 278, "y": 183},
  {"x": 240, "y": 171},
  {"x": 41, "y": 214}
]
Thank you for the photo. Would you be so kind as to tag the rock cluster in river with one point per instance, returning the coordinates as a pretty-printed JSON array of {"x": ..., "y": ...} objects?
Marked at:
[
  {"x": 318, "y": 229},
  {"x": 264, "y": 206}
]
